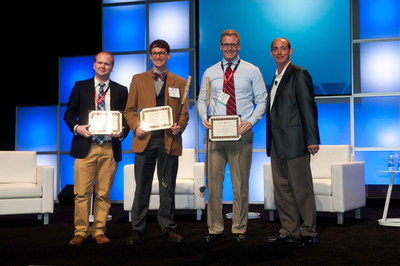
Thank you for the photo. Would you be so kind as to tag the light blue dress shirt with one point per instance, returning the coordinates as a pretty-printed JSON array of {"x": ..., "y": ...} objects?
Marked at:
[{"x": 250, "y": 91}]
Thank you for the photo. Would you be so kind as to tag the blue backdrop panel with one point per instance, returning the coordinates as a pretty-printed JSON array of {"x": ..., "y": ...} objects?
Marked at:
[
  {"x": 66, "y": 170},
  {"x": 73, "y": 69},
  {"x": 170, "y": 22},
  {"x": 377, "y": 122},
  {"x": 124, "y": 28},
  {"x": 374, "y": 163},
  {"x": 334, "y": 121},
  {"x": 379, "y": 19},
  {"x": 188, "y": 136},
  {"x": 65, "y": 133},
  {"x": 325, "y": 53},
  {"x": 36, "y": 128},
  {"x": 179, "y": 64},
  {"x": 118, "y": 1},
  {"x": 380, "y": 67},
  {"x": 125, "y": 66}
]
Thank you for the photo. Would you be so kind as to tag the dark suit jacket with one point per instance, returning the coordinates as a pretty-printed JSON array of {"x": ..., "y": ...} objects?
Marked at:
[
  {"x": 293, "y": 119},
  {"x": 142, "y": 95},
  {"x": 81, "y": 101}
]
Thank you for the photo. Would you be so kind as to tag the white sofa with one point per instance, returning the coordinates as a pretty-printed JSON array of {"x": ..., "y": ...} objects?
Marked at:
[
  {"x": 189, "y": 179},
  {"x": 25, "y": 187},
  {"x": 339, "y": 182}
]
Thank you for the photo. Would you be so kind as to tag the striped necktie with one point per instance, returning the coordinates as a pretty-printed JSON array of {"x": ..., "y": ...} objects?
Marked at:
[
  {"x": 99, "y": 139},
  {"x": 229, "y": 88}
]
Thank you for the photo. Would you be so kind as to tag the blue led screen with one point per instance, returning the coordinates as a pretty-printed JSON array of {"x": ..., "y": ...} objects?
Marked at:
[
  {"x": 189, "y": 134},
  {"x": 380, "y": 67},
  {"x": 73, "y": 69},
  {"x": 377, "y": 122},
  {"x": 179, "y": 64},
  {"x": 125, "y": 66},
  {"x": 66, "y": 170},
  {"x": 334, "y": 121},
  {"x": 170, "y": 22},
  {"x": 65, "y": 133},
  {"x": 118, "y": 1},
  {"x": 124, "y": 28},
  {"x": 379, "y": 19},
  {"x": 36, "y": 128},
  {"x": 324, "y": 53}
]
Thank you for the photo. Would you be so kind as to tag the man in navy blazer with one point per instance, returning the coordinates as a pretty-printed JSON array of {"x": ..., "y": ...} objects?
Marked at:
[
  {"x": 96, "y": 159},
  {"x": 292, "y": 135}
]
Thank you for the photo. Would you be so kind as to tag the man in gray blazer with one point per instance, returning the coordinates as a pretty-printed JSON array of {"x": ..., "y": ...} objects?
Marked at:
[{"x": 292, "y": 135}]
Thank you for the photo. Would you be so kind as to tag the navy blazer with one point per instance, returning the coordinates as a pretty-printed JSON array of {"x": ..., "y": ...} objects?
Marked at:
[
  {"x": 81, "y": 101},
  {"x": 293, "y": 120}
]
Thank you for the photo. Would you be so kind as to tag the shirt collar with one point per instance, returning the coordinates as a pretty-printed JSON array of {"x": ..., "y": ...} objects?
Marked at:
[
  {"x": 234, "y": 62},
  {"x": 96, "y": 83},
  {"x": 283, "y": 72}
]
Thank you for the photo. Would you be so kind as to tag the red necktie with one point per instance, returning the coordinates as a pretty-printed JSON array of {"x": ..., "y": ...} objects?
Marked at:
[
  {"x": 229, "y": 88},
  {"x": 162, "y": 75}
]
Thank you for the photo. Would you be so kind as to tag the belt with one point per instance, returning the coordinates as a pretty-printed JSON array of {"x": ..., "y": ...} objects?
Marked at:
[{"x": 104, "y": 142}]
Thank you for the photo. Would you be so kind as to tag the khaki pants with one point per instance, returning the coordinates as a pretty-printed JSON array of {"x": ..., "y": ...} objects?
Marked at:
[
  {"x": 98, "y": 168},
  {"x": 238, "y": 154}
]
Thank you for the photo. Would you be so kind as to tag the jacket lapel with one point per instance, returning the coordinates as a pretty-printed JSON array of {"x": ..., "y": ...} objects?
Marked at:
[
  {"x": 284, "y": 79},
  {"x": 90, "y": 91}
]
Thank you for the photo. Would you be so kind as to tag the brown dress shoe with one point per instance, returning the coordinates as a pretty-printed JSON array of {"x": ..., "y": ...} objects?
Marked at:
[
  {"x": 173, "y": 237},
  {"x": 102, "y": 240},
  {"x": 76, "y": 241},
  {"x": 135, "y": 238}
]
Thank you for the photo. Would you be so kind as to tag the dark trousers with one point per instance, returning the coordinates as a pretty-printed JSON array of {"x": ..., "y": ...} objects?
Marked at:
[
  {"x": 145, "y": 163},
  {"x": 294, "y": 195}
]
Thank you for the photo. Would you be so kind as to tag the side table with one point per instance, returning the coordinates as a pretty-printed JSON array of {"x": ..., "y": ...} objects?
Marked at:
[{"x": 389, "y": 221}]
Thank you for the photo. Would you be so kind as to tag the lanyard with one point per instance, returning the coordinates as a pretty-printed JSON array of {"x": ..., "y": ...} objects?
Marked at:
[
  {"x": 226, "y": 80},
  {"x": 102, "y": 97}
]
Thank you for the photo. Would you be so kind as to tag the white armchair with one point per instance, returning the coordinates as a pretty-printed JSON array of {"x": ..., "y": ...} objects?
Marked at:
[
  {"x": 339, "y": 182},
  {"x": 189, "y": 179},
  {"x": 25, "y": 187}
]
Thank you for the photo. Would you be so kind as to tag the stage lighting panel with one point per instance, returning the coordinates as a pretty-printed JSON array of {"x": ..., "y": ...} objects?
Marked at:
[{"x": 36, "y": 129}]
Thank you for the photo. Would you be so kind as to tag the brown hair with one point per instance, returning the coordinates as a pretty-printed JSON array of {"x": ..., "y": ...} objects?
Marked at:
[
  {"x": 289, "y": 46},
  {"x": 160, "y": 44},
  {"x": 104, "y": 52},
  {"x": 230, "y": 33}
]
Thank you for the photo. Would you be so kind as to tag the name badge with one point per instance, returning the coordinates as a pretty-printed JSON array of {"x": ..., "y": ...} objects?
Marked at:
[
  {"x": 223, "y": 98},
  {"x": 174, "y": 92}
]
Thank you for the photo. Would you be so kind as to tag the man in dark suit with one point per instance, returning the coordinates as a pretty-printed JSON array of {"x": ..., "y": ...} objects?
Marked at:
[
  {"x": 97, "y": 156},
  {"x": 154, "y": 88},
  {"x": 292, "y": 135}
]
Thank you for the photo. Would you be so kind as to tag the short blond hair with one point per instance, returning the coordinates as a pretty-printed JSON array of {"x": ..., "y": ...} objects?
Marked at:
[
  {"x": 107, "y": 53},
  {"x": 230, "y": 33}
]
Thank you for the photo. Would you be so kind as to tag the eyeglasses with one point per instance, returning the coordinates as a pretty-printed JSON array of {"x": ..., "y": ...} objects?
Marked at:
[
  {"x": 158, "y": 53},
  {"x": 226, "y": 45}
]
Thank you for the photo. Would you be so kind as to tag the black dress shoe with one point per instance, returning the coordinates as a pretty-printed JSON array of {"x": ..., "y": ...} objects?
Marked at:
[
  {"x": 212, "y": 238},
  {"x": 172, "y": 236},
  {"x": 135, "y": 238},
  {"x": 279, "y": 239},
  {"x": 308, "y": 241},
  {"x": 239, "y": 237}
]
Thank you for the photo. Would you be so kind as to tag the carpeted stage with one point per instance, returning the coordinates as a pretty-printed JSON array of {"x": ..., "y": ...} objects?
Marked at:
[{"x": 25, "y": 241}]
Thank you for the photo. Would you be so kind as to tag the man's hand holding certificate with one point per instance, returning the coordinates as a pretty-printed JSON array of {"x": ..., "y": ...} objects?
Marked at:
[
  {"x": 224, "y": 128},
  {"x": 105, "y": 122},
  {"x": 156, "y": 118}
]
